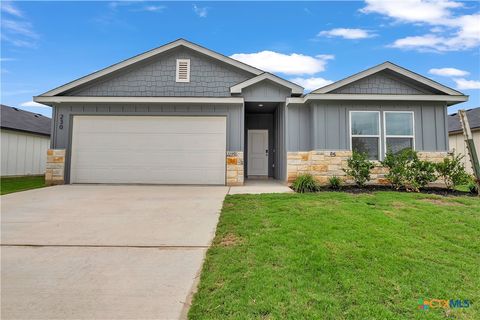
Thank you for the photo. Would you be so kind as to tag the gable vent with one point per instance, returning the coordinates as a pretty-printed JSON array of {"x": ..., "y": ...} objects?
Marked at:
[{"x": 183, "y": 70}]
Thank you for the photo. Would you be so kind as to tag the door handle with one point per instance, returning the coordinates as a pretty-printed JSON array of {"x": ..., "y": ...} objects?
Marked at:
[{"x": 266, "y": 151}]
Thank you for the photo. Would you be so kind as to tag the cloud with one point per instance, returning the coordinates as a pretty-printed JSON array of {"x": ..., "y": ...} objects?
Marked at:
[
  {"x": 153, "y": 8},
  {"x": 202, "y": 12},
  {"x": 32, "y": 104},
  {"x": 346, "y": 33},
  {"x": 8, "y": 7},
  {"x": 448, "y": 72},
  {"x": 292, "y": 64},
  {"x": 311, "y": 83},
  {"x": 15, "y": 30},
  {"x": 7, "y": 59},
  {"x": 449, "y": 32},
  {"x": 464, "y": 84}
]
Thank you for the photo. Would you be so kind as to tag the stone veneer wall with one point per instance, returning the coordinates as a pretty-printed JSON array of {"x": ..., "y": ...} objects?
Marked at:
[
  {"x": 55, "y": 168},
  {"x": 325, "y": 164},
  {"x": 235, "y": 172}
]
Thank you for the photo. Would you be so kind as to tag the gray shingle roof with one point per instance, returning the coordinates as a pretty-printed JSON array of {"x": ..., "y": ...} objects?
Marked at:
[
  {"x": 473, "y": 116},
  {"x": 16, "y": 119}
]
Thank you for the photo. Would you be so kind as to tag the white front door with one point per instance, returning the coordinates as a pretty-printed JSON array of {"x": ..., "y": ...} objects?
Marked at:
[{"x": 257, "y": 153}]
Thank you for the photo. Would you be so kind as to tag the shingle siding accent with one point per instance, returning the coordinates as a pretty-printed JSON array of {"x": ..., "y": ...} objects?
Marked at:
[
  {"x": 378, "y": 83},
  {"x": 208, "y": 78}
]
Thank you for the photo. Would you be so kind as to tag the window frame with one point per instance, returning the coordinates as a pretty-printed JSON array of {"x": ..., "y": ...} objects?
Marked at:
[
  {"x": 177, "y": 71},
  {"x": 379, "y": 135},
  {"x": 385, "y": 136}
]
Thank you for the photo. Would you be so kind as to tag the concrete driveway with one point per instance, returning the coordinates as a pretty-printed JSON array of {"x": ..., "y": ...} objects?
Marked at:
[{"x": 104, "y": 252}]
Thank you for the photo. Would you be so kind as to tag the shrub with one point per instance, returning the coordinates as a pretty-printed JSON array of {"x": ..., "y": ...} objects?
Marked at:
[
  {"x": 406, "y": 170},
  {"x": 359, "y": 168},
  {"x": 472, "y": 187},
  {"x": 335, "y": 183},
  {"x": 452, "y": 171},
  {"x": 305, "y": 183}
]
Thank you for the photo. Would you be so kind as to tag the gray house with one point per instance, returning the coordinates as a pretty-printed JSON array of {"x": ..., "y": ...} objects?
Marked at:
[{"x": 183, "y": 114}]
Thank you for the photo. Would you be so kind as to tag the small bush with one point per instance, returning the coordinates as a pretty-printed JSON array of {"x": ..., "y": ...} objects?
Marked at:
[
  {"x": 452, "y": 171},
  {"x": 406, "y": 170},
  {"x": 305, "y": 183},
  {"x": 472, "y": 185},
  {"x": 359, "y": 168},
  {"x": 335, "y": 183}
]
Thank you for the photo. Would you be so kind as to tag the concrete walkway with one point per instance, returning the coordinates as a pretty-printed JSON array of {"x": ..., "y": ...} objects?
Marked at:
[
  {"x": 260, "y": 186},
  {"x": 104, "y": 252}
]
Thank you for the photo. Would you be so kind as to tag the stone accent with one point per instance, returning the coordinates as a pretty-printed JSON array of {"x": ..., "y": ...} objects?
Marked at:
[
  {"x": 235, "y": 172},
  {"x": 55, "y": 168},
  {"x": 321, "y": 164},
  {"x": 325, "y": 164}
]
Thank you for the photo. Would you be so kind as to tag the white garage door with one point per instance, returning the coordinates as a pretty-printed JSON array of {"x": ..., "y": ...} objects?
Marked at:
[{"x": 148, "y": 149}]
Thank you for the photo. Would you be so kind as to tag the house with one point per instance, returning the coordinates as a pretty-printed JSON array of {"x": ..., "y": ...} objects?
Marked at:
[
  {"x": 457, "y": 140},
  {"x": 25, "y": 140},
  {"x": 184, "y": 114}
]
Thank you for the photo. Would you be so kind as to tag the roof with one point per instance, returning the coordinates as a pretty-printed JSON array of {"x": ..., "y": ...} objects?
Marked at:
[
  {"x": 296, "y": 89},
  {"x": 147, "y": 55},
  {"x": 473, "y": 116},
  {"x": 392, "y": 67},
  {"x": 16, "y": 119}
]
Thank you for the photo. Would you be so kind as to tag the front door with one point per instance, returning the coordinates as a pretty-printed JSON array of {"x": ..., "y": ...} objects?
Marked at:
[{"x": 257, "y": 153}]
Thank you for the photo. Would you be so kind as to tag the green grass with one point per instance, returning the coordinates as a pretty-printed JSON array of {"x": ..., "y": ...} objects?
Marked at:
[
  {"x": 341, "y": 256},
  {"x": 10, "y": 185}
]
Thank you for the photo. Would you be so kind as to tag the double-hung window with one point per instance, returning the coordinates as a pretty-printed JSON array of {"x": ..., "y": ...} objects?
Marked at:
[
  {"x": 365, "y": 133},
  {"x": 399, "y": 131}
]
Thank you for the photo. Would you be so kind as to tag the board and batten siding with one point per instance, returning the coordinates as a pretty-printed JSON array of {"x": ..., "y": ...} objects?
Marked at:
[
  {"x": 23, "y": 153},
  {"x": 325, "y": 125},
  {"x": 280, "y": 123},
  {"x": 63, "y": 115}
]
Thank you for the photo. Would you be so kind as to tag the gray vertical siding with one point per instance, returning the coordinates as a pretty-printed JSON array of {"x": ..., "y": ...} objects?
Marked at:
[
  {"x": 266, "y": 91},
  {"x": 331, "y": 131},
  {"x": 63, "y": 116},
  {"x": 280, "y": 143},
  {"x": 261, "y": 121},
  {"x": 299, "y": 124}
]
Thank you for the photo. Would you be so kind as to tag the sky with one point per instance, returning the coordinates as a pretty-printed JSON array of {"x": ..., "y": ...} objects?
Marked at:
[{"x": 47, "y": 44}]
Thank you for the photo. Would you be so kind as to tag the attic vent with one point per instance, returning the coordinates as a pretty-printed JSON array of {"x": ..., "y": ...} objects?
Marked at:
[{"x": 183, "y": 70}]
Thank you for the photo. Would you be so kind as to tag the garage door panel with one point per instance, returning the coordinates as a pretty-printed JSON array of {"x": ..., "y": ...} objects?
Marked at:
[
  {"x": 149, "y": 124},
  {"x": 144, "y": 149},
  {"x": 174, "y": 159},
  {"x": 149, "y": 141}
]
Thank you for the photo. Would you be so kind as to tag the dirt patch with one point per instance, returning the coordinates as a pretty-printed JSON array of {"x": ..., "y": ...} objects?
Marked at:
[
  {"x": 229, "y": 240},
  {"x": 441, "y": 202},
  {"x": 228, "y": 205}
]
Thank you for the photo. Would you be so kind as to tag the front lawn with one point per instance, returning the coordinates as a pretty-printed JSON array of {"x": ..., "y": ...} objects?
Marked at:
[
  {"x": 15, "y": 184},
  {"x": 341, "y": 256}
]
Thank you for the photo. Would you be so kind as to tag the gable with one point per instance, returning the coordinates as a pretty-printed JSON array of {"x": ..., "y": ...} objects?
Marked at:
[
  {"x": 399, "y": 80},
  {"x": 382, "y": 83},
  {"x": 157, "y": 77},
  {"x": 266, "y": 90}
]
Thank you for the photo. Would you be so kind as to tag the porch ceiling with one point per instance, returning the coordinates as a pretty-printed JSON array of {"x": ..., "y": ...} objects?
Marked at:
[{"x": 254, "y": 107}]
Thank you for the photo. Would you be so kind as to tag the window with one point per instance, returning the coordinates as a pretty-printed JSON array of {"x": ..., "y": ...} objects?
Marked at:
[
  {"x": 399, "y": 131},
  {"x": 365, "y": 133},
  {"x": 183, "y": 70}
]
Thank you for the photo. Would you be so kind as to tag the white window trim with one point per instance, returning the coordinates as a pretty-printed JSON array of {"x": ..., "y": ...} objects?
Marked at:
[
  {"x": 397, "y": 136},
  {"x": 366, "y": 136},
  {"x": 177, "y": 78}
]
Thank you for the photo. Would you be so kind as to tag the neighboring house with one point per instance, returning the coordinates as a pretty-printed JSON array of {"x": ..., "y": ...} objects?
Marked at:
[
  {"x": 183, "y": 114},
  {"x": 456, "y": 138},
  {"x": 25, "y": 141}
]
